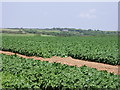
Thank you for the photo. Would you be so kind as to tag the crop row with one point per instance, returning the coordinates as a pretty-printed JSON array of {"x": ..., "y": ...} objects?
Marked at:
[
  {"x": 28, "y": 73},
  {"x": 93, "y": 48}
]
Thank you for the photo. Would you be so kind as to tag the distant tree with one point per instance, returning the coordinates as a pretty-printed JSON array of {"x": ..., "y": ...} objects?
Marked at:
[{"x": 89, "y": 29}]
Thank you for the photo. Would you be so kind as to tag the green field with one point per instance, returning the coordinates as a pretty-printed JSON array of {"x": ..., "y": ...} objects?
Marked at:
[
  {"x": 12, "y": 35},
  {"x": 28, "y": 73},
  {"x": 57, "y": 31},
  {"x": 8, "y": 29},
  {"x": 102, "y": 49}
]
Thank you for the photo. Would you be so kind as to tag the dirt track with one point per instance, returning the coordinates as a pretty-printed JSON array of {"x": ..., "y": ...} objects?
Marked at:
[{"x": 72, "y": 62}]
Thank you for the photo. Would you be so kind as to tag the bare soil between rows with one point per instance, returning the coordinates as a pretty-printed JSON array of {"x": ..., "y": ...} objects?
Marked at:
[{"x": 72, "y": 62}]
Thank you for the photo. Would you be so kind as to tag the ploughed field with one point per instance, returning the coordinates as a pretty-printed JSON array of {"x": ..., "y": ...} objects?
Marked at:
[
  {"x": 102, "y": 49},
  {"x": 19, "y": 72}
]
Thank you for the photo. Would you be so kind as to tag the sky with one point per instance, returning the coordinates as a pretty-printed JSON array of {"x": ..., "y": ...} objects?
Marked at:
[{"x": 83, "y": 15}]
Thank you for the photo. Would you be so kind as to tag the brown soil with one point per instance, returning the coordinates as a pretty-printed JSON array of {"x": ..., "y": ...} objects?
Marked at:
[{"x": 72, "y": 62}]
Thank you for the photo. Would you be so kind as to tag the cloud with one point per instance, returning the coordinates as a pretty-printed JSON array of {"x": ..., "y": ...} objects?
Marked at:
[
  {"x": 87, "y": 15},
  {"x": 92, "y": 10},
  {"x": 90, "y": 14}
]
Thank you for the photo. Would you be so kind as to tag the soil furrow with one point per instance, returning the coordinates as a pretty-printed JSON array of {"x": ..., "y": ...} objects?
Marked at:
[{"x": 72, "y": 62}]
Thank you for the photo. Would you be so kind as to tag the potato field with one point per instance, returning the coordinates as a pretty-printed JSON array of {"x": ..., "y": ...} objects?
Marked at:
[
  {"x": 18, "y": 72},
  {"x": 28, "y": 73},
  {"x": 93, "y": 48}
]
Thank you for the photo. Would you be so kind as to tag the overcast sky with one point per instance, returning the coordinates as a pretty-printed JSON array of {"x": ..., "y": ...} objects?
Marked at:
[{"x": 84, "y": 15}]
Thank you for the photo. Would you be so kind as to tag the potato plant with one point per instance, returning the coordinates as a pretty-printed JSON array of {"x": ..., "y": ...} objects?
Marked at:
[
  {"x": 94, "y": 48},
  {"x": 19, "y": 72}
]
